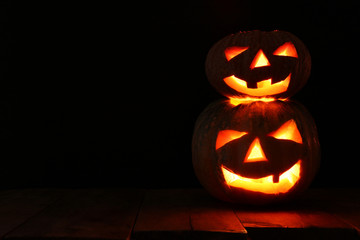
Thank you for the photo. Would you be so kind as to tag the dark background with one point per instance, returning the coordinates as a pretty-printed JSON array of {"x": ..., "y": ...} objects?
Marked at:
[{"x": 106, "y": 93}]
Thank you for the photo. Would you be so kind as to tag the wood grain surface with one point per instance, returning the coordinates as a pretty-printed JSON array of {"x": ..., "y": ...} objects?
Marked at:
[{"x": 173, "y": 214}]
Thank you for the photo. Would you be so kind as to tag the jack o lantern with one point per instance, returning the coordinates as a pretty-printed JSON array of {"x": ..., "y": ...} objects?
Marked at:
[
  {"x": 257, "y": 146},
  {"x": 258, "y": 64},
  {"x": 255, "y": 152}
]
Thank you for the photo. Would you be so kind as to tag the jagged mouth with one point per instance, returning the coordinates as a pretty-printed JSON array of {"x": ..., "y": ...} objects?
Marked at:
[
  {"x": 265, "y": 184},
  {"x": 264, "y": 88}
]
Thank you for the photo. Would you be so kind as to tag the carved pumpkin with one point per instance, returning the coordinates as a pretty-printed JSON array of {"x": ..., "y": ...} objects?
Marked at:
[
  {"x": 255, "y": 152},
  {"x": 258, "y": 64}
]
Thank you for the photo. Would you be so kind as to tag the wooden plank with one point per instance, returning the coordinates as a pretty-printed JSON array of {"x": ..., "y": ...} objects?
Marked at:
[
  {"x": 343, "y": 203},
  {"x": 348, "y": 213},
  {"x": 17, "y": 206},
  {"x": 289, "y": 219},
  {"x": 189, "y": 214},
  {"x": 163, "y": 215},
  {"x": 294, "y": 225},
  {"x": 269, "y": 219},
  {"x": 307, "y": 218},
  {"x": 85, "y": 214},
  {"x": 211, "y": 215}
]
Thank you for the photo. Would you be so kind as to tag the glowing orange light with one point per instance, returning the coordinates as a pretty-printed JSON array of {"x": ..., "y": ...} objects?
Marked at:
[
  {"x": 255, "y": 152},
  {"x": 226, "y": 136},
  {"x": 244, "y": 100},
  {"x": 288, "y": 131},
  {"x": 264, "y": 185},
  {"x": 264, "y": 88},
  {"x": 232, "y": 52},
  {"x": 260, "y": 60},
  {"x": 287, "y": 49},
  {"x": 264, "y": 83}
]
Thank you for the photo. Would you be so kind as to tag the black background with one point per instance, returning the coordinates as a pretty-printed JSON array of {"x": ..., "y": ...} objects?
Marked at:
[{"x": 106, "y": 93}]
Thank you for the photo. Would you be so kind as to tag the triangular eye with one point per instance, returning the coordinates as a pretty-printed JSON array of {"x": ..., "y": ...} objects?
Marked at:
[
  {"x": 255, "y": 152},
  {"x": 260, "y": 60},
  {"x": 287, "y": 131},
  {"x": 226, "y": 136},
  {"x": 232, "y": 52},
  {"x": 287, "y": 49}
]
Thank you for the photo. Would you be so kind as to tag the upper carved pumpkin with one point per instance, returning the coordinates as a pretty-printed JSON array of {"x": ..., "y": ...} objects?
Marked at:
[{"x": 258, "y": 64}]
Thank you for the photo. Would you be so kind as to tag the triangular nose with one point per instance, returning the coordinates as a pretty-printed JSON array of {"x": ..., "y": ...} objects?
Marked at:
[
  {"x": 260, "y": 60},
  {"x": 255, "y": 152}
]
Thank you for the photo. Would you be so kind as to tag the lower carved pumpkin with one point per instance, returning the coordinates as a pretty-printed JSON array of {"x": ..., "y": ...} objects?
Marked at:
[{"x": 256, "y": 152}]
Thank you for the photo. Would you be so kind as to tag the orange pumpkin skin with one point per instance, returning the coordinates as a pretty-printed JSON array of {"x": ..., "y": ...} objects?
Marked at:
[
  {"x": 259, "y": 120},
  {"x": 235, "y": 55}
]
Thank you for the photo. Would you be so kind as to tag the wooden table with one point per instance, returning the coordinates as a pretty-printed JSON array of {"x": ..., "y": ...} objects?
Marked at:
[{"x": 173, "y": 214}]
